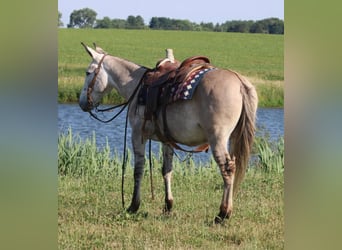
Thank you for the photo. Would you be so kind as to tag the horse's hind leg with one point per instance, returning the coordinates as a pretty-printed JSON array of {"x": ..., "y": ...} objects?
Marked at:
[
  {"x": 227, "y": 168},
  {"x": 167, "y": 175},
  {"x": 228, "y": 172}
]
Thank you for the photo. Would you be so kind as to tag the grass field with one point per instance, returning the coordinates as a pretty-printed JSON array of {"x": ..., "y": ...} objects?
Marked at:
[
  {"x": 90, "y": 215},
  {"x": 257, "y": 56}
]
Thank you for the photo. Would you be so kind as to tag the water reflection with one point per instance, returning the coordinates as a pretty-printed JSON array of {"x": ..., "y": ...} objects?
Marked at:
[{"x": 270, "y": 122}]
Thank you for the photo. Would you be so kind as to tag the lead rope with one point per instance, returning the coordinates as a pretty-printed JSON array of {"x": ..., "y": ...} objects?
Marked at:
[
  {"x": 107, "y": 109},
  {"x": 124, "y": 162},
  {"x": 151, "y": 167}
]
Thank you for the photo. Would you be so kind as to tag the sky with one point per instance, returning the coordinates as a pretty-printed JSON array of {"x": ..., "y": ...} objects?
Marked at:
[{"x": 215, "y": 11}]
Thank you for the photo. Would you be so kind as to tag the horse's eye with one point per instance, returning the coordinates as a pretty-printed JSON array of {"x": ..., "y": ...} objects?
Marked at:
[{"x": 88, "y": 73}]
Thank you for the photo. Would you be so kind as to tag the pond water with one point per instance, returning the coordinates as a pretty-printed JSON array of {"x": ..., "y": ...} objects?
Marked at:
[{"x": 270, "y": 122}]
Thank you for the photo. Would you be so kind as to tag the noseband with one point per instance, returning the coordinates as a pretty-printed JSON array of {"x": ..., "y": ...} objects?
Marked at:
[{"x": 92, "y": 83}]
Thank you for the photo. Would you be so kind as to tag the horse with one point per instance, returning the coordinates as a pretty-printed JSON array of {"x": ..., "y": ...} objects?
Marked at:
[{"x": 222, "y": 113}]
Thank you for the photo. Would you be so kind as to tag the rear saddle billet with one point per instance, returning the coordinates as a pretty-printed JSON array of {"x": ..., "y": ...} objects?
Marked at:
[{"x": 157, "y": 84}]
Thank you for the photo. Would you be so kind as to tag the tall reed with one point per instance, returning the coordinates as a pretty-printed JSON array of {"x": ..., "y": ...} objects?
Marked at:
[
  {"x": 270, "y": 155},
  {"x": 77, "y": 157}
]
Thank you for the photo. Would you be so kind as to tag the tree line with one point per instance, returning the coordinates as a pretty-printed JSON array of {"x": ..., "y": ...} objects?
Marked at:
[{"x": 86, "y": 18}]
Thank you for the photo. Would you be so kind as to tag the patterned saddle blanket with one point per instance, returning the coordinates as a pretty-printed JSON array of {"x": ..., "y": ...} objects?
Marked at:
[
  {"x": 173, "y": 82},
  {"x": 186, "y": 89}
]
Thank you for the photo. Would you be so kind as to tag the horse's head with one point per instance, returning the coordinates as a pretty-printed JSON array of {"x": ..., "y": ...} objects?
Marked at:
[{"x": 96, "y": 80}]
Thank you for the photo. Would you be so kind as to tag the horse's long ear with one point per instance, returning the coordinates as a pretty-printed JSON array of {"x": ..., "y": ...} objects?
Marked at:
[
  {"x": 90, "y": 51},
  {"x": 99, "y": 50}
]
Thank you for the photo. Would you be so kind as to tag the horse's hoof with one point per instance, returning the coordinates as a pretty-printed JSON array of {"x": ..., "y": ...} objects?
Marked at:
[
  {"x": 168, "y": 206},
  {"x": 219, "y": 219},
  {"x": 132, "y": 209},
  {"x": 167, "y": 211}
]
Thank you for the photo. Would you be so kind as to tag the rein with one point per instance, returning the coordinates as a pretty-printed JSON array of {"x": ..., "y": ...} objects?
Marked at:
[{"x": 123, "y": 105}]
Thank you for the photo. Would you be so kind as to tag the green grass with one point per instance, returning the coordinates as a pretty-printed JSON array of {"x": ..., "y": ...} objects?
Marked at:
[
  {"x": 257, "y": 56},
  {"x": 90, "y": 215},
  {"x": 270, "y": 94}
]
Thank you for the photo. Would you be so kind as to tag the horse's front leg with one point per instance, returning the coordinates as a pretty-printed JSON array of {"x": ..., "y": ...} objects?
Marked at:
[
  {"x": 167, "y": 175},
  {"x": 139, "y": 162}
]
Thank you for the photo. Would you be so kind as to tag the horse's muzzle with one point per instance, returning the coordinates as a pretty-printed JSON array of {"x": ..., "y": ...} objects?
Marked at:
[{"x": 85, "y": 106}]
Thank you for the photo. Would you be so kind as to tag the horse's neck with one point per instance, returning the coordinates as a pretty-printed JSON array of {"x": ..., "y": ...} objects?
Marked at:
[{"x": 124, "y": 75}]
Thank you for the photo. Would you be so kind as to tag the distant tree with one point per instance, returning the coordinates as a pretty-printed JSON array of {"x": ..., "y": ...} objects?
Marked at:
[
  {"x": 239, "y": 26},
  {"x": 259, "y": 27},
  {"x": 276, "y": 26},
  {"x": 154, "y": 23},
  {"x": 268, "y": 25},
  {"x": 164, "y": 23},
  {"x": 218, "y": 27},
  {"x": 207, "y": 26},
  {"x": 104, "y": 23},
  {"x": 107, "y": 23},
  {"x": 181, "y": 24},
  {"x": 135, "y": 22},
  {"x": 172, "y": 24},
  {"x": 118, "y": 23},
  {"x": 86, "y": 18},
  {"x": 83, "y": 18},
  {"x": 140, "y": 24},
  {"x": 196, "y": 27}
]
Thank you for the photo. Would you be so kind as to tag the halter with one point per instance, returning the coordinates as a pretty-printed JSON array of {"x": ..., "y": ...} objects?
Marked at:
[{"x": 92, "y": 83}]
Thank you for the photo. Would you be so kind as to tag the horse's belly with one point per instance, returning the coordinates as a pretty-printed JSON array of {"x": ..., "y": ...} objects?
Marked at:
[
  {"x": 184, "y": 125},
  {"x": 187, "y": 135}
]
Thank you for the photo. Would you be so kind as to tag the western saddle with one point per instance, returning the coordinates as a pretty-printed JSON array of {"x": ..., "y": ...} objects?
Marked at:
[{"x": 156, "y": 91}]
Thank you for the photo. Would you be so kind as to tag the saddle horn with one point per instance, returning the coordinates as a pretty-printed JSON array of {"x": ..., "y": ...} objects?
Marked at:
[
  {"x": 168, "y": 58},
  {"x": 169, "y": 55}
]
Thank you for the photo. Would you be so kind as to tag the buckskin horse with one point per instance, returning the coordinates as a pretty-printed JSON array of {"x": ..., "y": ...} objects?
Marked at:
[{"x": 222, "y": 110}]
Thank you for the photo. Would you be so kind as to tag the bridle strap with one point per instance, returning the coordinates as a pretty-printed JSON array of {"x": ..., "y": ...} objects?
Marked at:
[
  {"x": 123, "y": 105},
  {"x": 92, "y": 83}
]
